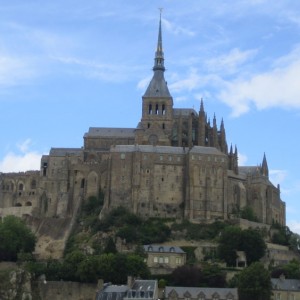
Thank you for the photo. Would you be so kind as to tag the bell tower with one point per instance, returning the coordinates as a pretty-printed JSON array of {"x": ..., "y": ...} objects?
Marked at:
[{"x": 157, "y": 109}]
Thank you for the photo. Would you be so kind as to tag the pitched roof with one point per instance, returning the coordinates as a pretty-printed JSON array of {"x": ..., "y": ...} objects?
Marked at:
[
  {"x": 207, "y": 292},
  {"x": 285, "y": 284},
  {"x": 163, "y": 249},
  {"x": 110, "y": 132}
]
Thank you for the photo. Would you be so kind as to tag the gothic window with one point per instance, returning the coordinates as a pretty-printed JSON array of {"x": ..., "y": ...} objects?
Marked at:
[
  {"x": 21, "y": 187},
  {"x": 156, "y": 109},
  {"x": 82, "y": 183},
  {"x": 163, "y": 109},
  {"x": 33, "y": 184},
  {"x": 150, "y": 110}
]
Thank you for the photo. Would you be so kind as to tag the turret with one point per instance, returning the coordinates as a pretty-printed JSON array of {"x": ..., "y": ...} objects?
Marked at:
[{"x": 264, "y": 167}]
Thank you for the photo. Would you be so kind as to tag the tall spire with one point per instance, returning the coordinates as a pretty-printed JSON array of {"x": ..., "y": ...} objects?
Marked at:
[{"x": 159, "y": 54}]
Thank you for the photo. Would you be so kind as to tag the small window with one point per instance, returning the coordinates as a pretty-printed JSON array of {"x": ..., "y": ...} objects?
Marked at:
[
  {"x": 21, "y": 187},
  {"x": 122, "y": 155}
]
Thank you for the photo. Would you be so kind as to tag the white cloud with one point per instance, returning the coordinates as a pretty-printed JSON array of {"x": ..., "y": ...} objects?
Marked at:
[
  {"x": 294, "y": 226},
  {"x": 276, "y": 88},
  {"x": 171, "y": 27},
  {"x": 242, "y": 158},
  {"x": 192, "y": 81},
  {"x": 143, "y": 83},
  {"x": 24, "y": 146},
  {"x": 278, "y": 176},
  {"x": 228, "y": 63},
  {"x": 14, "y": 70},
  {"x": 20, "y": 163}
]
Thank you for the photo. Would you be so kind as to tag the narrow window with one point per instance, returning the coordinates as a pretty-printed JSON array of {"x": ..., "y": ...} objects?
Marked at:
[
  {"x": 156, "y": 109},
  {"x": 148, "y": 125},
  {"x": 163, "y": 126},
  {"x": 150, "y": 109},
  {"x": 163, "y": 109},
  {"x": 82, "y": 183}
]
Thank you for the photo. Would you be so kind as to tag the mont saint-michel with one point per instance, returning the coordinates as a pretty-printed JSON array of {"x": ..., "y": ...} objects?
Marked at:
[{"x": 174, "y": 164}]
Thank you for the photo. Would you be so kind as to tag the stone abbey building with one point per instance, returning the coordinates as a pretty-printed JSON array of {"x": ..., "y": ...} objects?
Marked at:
[{"x": 174, "y": 164}]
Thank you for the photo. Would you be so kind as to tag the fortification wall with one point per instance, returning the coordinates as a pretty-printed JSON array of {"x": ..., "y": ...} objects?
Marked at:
[{"x": 60, "y": 290}]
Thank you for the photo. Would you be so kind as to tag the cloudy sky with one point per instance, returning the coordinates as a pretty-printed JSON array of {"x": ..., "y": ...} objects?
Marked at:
[{"x": 69, "y": 65}]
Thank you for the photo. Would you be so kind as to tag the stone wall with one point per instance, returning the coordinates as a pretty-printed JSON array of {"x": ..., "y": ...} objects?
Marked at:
[{"x": 60, "y": 290}]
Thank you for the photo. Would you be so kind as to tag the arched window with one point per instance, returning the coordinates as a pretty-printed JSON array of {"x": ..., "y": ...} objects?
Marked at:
[
  {"x": 21, "y": 187},
  {"x": 33, "y": 184},
  {"x": 156, "y": 109},
  {"x": 150, "y": 109},
  {"x": 28, "y": 203},
  {"x": 163, "y": 110}
]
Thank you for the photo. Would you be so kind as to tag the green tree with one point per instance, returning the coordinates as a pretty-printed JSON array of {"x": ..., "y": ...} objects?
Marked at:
[
  {"x": 70, "y": 265},
  {"x": 253, "y": 244},
  {"x": 229, "y": 243},
  {"x": 110, "y": 246},
  {"x": 234, "y": 239},
  {"x": 15, "y": 237},
  {"x": 254, "y": 282}
]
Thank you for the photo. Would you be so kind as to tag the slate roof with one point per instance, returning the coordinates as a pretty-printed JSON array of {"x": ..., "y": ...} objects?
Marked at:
[
  {"x": 285, "y": 284},
  {"x": 158, "y": 86},
  {"x": 249, "y": 170},
  {"x": 112, "y": 292},
  {"x": 65, "y": 151},
  {"x": 163, "y": 249},
  {"x": 194, "y": 292},
  {"x": 184, "y": 112},
  {"x": 141, "y": 289},
  {"x": 148, "y": 148},
  {"x": 206, "y": 150},
  {"x": 167, "y": 149},
  {"x": 110, "y": 132}
]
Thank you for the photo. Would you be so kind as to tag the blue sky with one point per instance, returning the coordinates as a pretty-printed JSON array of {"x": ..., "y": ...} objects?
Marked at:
[{"x": 68, "y": 65}]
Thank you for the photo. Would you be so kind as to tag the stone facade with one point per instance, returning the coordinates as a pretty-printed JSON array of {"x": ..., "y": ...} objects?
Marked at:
[
  {"x": 163, "y": 259},
  {"x": 173, "y": 164}
]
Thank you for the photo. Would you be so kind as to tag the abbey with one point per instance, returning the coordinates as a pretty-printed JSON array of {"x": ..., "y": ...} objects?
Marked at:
[{"x": 174, "y": 164}]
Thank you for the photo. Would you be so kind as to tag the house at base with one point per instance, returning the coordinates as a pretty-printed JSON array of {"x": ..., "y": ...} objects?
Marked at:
[
  {"x": 285, "y": 289},
  {"x": 195, "y": 293},
  {"x": 136, "y": 290},
  {"x": 164, "y": 259}
]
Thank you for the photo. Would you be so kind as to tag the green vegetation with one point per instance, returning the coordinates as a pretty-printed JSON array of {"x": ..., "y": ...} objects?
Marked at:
[
  {"x": 254, "y": 282},
  {"x": 199, "y": 231},
  {"x": 291, "y": 270},
  {"x": 15, "y": 238},
  {"x": 234, "y": 239},
  {"x": 192, "y": 276},
  {"x": 89, "y": 268}
]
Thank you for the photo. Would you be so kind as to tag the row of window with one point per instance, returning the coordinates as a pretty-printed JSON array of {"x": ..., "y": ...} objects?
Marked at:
[
  {"x": 157, "y": 109},
  {"x": 21, "y": 186},
  {"x": 208, "y": 158},
  {"x": 166, "y": 260},
  {"x": 178, "y": 158}
]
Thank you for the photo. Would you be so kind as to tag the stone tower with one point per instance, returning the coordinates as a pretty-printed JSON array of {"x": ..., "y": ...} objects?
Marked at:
[{"x": 157, "y": 109}]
